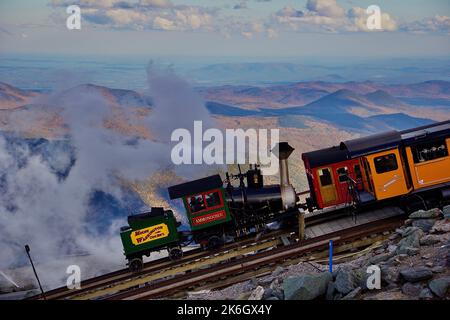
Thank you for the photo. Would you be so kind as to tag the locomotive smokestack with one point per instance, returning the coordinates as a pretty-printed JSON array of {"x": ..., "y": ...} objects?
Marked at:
[{"x": 283, "y": 150}]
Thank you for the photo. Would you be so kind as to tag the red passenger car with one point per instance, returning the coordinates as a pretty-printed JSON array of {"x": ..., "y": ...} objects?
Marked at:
[{"x": 331, "y": 177}]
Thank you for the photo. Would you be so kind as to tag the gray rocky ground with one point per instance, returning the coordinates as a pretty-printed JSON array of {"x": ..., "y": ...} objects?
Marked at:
[{"x": 414, "y": 264}]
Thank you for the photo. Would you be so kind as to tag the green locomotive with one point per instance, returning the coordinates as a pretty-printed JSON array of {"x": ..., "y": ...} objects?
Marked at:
[{"x": 217, "y": 213}]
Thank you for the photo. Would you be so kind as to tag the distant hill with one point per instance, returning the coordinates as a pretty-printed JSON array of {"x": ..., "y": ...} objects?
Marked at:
[
  {"x": 301, "y": 93},
  {"x": 12, "y": 97},
  {"x": 398, "y": 121}
]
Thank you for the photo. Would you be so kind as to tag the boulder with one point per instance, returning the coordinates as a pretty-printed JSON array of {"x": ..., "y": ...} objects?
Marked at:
[
  {"x": 392, "y": 248},
  {"x": 267, "y": 294},
  {"x": 412, "y": 290},
  {"x": 347, "y": 280},
  {"x": 429, "y": 240},
  {"x": 416, "y": 274},
  {"x": 353, "y": 295},
  {"x": 331, "y": 289},
  {"x": 438, "y": 269},
  {"x": 424, "y": 224},
  {"x": 440, "y": 286},
  {"x": 257, "y": 294},
  {"x": 441, "y": 226},
  {"x": 426, "y": 294},
  {"x": 422, "y": 214},
  {"x": 411, "y": 239},
  {"x": 390, "y": 275},
  {"x": 446, "y": 211},
  {"x": 411, "y": 230},
  {"x": 380, "y": 257},
  {"x": 306, "y": 286},
  {"x": 278, "y": 270}
]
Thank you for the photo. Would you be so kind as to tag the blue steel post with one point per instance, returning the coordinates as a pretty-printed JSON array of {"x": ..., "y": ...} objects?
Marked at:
[{"x": 331, "y": 256}]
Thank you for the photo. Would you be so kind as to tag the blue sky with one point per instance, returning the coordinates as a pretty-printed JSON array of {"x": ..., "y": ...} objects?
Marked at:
[{"x": 270, "y": 28}]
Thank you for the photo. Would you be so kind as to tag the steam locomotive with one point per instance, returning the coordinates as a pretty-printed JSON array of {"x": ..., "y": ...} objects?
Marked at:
[{"x": 407, "y": 167}]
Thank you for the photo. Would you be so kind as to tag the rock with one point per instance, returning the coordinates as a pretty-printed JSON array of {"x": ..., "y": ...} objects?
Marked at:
[
  {"x": 347, "y": 280},
  {"x": 416, "y": 274},
  {"x": 429, "y": 264},
  {"x": 441, "y": 226},
  {"x": 278, "y": 294},
  {"x": 438, "y": 269},
  {"x": 355, "y": 294},
  {"x": 446, "y": 211},
  {"x": 439, "y": 286},
  {"x": 426, "y": 294},
  {"x": 429, "y": 240},
  {"x": 412, "y": 290},
  {"x": 421, "y": 214},
  {"x": 392, "y": 248},
  {"x": 257, "y": 294},
  {"x": 278, "y": 270},
  {"x": 331, "y": 289},
  {"x": 426, "y": 256},
  {"x": 244, "y": 296},
  {"x": 272, "y": 298},
  {"x": 411, "y": 230},
  {"x": 390, "y": 275},
  {"x": 410, "y": 240},
  {"x": 394, "y": 236},
  {"x": 380, "y": 257},
  {"x": 424, "y": 224},
  {"x": 306, "y": 286},
  {"x": 275, "y": 284},
  {"x": 412, "y": 251},
  {"x": 267, "y": 294}
]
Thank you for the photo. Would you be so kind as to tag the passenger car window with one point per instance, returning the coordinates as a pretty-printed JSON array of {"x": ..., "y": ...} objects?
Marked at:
[
  {"x": 358, "y": 173},
  {"x": 342, "y": 174},
  {"x": 429, "y": 151},
  {"x": 386, "y": 163},
  {"x": 325, "y": 177}
]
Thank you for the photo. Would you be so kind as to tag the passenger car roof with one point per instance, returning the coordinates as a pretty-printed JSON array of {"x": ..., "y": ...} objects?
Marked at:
[
  {"x": 324, "y": 156},
  {"x": 370, "y": 144},
  {"x": 435, "y": 130}
]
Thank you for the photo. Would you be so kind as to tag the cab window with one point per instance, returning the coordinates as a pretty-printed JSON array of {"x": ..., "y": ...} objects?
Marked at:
[
  {"x": 325, "y": 177},
  {"x": 429, "y": 151},
  {"x": 212, "y": 199},
  {"x": 386, "y": 163},
  {"x": 342, "y": 174},
  {"x": 196, "y": 203},
  {"x": 204, "y": 201}
]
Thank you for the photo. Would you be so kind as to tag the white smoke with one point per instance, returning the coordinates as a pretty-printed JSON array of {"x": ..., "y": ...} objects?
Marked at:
[{"x": 50, "y": 213}]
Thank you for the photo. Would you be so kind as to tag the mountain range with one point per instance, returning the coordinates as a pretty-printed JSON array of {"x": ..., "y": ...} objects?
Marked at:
[{"x": 355, "y": 106}]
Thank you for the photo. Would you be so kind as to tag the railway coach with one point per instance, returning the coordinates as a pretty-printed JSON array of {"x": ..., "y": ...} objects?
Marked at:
[{"x": 412, "y": 166}]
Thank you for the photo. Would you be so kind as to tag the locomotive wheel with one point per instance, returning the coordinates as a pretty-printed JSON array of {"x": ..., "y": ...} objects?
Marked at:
[
  {"x": 135, "y": 264},
  {"x": 214, "y": 242},
  {"x": 175, "y": 253}
]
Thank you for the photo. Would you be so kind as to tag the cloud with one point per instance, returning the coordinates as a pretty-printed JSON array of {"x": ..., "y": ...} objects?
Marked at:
[
  {"x": 163, "y": 24},
  {"x": 436, "y": 24},
  {"x": 327, "y": 8},
  {"x": 144, "y": 14},
  {"x": 316, "y": 16},
  {"x": 358, "y": 17},
  {"x": 328, "y": 16}
]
